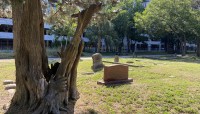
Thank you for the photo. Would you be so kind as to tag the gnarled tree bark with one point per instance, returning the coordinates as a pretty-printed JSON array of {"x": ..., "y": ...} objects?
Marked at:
[{"x": 39, "y": 90}]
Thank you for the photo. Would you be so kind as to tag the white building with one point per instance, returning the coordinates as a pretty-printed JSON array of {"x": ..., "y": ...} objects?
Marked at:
[
  {"x": 148, "y": 45},
  {"x": 6, "y": 34},
  {"x": 145, "y": 3}
]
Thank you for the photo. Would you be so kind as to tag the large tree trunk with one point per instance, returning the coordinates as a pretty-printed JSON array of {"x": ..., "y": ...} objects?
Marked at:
[
  {"x": 198, "y": 47},
  {"x": 41, "y": 90}
]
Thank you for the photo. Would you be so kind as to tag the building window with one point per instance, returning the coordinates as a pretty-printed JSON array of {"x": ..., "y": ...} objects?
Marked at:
[{"x": 6, "y": 28}]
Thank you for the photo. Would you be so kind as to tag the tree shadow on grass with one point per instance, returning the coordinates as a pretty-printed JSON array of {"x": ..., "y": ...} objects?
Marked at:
[
  {"x": 117, "y": 85},
  {"x": 187, "y": 59},
  {"x": 89, "y": 111}
]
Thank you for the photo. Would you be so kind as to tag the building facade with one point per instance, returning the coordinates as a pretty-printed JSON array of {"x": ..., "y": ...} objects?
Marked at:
[
  {"x": 145, "y": 3},
  {"x": 6, "y": 34}
]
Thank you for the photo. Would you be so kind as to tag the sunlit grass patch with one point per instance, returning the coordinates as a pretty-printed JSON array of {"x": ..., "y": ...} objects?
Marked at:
[{"x": 159, "y": 87}]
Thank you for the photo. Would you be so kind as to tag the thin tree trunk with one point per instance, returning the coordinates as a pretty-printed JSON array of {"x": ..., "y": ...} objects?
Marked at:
[
  {"x": 120, "y": 48},
  {"x": 198, "y": 47},
  {"x": 128, "y": 44},
  {"x": 183, "y": 46},
  {"x": 107, "y": 45},
  {"x": 35, "y": 93},
  {"x": 99, "y": 44}
]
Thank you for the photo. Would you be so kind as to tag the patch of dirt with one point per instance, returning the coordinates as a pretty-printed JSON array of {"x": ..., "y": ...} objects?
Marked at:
[
  {"x": 5, "y": 99},
  {"x": 83, "y": 107},
  {"x": 80, "y": 108}
]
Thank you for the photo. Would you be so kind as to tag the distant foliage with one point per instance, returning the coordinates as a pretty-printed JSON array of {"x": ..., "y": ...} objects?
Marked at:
[{"x": 179, "y": 17}]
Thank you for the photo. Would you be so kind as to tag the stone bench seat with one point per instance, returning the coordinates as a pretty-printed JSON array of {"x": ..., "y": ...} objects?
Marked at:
[
  {"x": 5, "y": 82},
  {"x": 10, "y": 86}
]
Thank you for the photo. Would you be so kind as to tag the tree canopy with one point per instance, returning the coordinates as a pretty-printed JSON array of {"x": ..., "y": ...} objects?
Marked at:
[
  {"x": 177, "y": 17},
  {"x": 164, "y": 17}
]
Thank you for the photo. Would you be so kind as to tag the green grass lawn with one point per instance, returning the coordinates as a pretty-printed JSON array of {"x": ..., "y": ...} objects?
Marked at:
[{"x": 161, "y": 86}]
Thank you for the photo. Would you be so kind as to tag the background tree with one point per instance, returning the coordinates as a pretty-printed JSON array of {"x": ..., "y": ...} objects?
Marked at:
[
  {"x": 110, "y": 36},
  {"x": 124, "y": 22},
  {"x": 92, "y": 34},
  {"x": 196, "y": 23},
  {"x": 171, "y": 17},
  {"x": 63, "y": 27},
  {"x": 104, "y": 29},
  {"x": 39, "y": 88},
  {"x": 100, "y": 21},
  {"x": 121, "y": 24}
]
